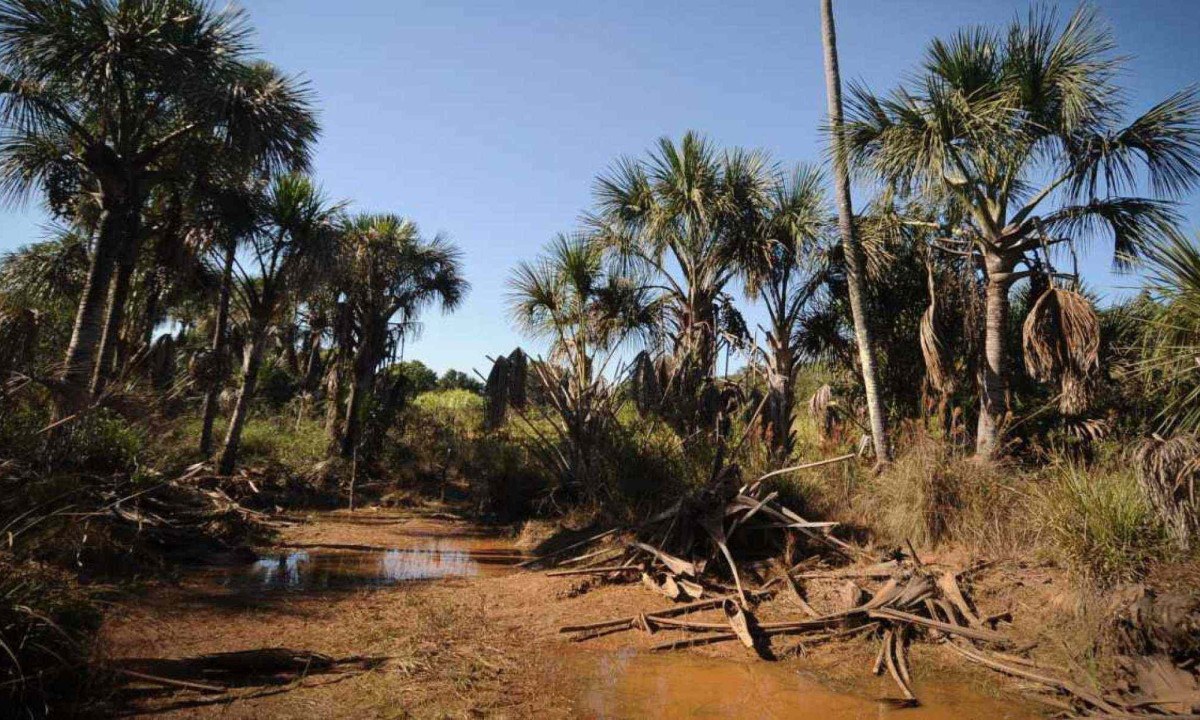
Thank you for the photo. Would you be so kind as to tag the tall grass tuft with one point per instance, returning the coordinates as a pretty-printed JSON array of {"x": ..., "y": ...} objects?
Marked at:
[{"x": 1099, "y": 522}]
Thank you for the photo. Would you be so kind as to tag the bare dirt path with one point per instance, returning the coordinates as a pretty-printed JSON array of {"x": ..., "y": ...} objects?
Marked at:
[{"x": 390, "y": 615}]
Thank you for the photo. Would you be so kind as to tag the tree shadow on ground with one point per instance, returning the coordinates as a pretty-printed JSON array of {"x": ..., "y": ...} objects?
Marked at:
[{"x": 150, "y": 686}]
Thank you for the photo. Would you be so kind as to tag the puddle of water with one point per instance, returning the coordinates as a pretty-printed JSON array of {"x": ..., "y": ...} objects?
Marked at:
[
  {"x": 628, "y": 684},
  {"x": 327, "y": 569}
]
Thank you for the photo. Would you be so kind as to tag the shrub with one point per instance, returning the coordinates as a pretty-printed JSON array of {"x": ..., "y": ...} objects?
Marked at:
[
  {"x": 276, "y": 387},
  {"x": 1100, "y": 523},
  {"x": 98, "y": 441}
]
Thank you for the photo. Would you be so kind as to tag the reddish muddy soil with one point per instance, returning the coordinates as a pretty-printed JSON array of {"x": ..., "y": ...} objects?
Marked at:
[{"x": 383, "y": 614}]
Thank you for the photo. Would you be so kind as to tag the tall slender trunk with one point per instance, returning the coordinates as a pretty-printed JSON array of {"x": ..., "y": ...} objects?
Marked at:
[
  {"x": 150, "y": 314},
  {"x": 89, "y": 318},
  {"x": 854, "y": 258},
  {"x": 251, "y": 360},
  {"x": 993, "y": 404},
  {"x": 360, "y": 385},
  {"x": 118, "y": 297},
  {"x": 212, "y": 395}
]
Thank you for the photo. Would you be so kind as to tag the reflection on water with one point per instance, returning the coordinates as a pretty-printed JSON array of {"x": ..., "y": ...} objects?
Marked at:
[
  {"x": 326, "y": 569},
  {"x": 630, "y": 684}
]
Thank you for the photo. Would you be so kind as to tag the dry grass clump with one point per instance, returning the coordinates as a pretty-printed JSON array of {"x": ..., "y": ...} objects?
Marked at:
[
  {"x": 47, "y": 626},
  {"x": 931, "y": 495}
]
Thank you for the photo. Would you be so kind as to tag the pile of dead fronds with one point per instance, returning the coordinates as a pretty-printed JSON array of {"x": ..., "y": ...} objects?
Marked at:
[
  {"x": 120, "y": 524},
  {"x": 728, "y": 550}
]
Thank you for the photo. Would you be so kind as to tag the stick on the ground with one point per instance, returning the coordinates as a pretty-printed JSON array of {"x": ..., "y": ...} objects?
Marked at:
[{"x": 172, "y": 682}]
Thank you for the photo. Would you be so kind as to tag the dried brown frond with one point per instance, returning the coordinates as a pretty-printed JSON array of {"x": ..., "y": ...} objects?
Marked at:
[
  {"x": 1168, "y": 471},
  {"x": 1062, "y": 343}
]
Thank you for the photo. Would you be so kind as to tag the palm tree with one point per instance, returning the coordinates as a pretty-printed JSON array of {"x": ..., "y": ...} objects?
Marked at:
[
  {"x": 290, "y": 247},
  {"x": 688, "y": 215},
  {"x": 853, "y": 251},
  {"x": 111, "y": 92},
  {"x": 389, "y": 274},
  {"x": 585, "y": 309},
  {"x": 785, "y": 276},
  {"x": 227, "y": 217},
  {"x": 1017, "y": 133}
]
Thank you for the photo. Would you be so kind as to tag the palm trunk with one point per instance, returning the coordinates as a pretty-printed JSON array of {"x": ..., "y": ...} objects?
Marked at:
[
  {"x": 781, "y": 402},
  {"x": 89, "y": 318},
  {"x": 854, "y": 258},
  {"x": 333, "y": 405},
  {"x": 359, "y": 387},
  {"x": 212, "y": 395},
  {"x": 312, "y": 364},
  {"x": 994, "y": 393},
  {"x": 252, "y": 358},
  {"x": 118, "y": 297}
]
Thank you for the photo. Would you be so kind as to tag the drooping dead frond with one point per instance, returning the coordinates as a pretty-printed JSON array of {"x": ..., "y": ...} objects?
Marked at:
[
  {"x": 820, "y": 406},
  {"x": 647, "y": 391},
  {"x": 160, "y": 361},
  {"x": 208, "y": 369},
  {"x": 1168, "y": 471},
  {"x": 1062, "y": 343}
]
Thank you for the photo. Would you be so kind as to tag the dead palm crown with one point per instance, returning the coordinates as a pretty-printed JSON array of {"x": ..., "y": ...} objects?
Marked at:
[{"x": 1018, "y": 134}]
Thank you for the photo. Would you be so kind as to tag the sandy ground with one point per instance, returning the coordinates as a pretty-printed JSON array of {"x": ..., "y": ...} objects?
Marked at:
[{"x": 441, "y": 644}]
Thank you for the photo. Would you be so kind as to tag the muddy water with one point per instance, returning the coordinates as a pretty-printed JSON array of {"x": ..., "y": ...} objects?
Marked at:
[
  {"x": 420, "y": 553},
  {"x": 619, "y": 683},
  {"x": 629, "y": 684},
  {"x": 323, "y": 568}
]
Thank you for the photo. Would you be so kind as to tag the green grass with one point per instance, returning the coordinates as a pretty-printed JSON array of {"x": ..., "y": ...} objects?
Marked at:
[{"x": 1098, "y": 521}]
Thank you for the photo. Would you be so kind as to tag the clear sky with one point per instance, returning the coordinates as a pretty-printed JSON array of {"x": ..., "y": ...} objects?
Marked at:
[{"x": 489, "y": 120}]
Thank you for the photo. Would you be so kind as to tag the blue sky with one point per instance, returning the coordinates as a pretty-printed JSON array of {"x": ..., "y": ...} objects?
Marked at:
[{"x": 489, "y": 120}]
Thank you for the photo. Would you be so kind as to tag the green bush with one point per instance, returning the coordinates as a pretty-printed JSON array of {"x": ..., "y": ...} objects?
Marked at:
[
  {"x": 1099, "y": 522},
  {"x": 275, "y": 387},
  {"x": 283, "y": 440},
  {"x": 98, "y": 441}
]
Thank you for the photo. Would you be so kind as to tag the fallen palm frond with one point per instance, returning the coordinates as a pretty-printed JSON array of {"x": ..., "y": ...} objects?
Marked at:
[
  {"x": 1062, "y": 343},
  {"x": 912, "y": 602}
]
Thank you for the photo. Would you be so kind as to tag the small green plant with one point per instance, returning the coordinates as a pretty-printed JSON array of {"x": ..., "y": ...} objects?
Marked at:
[{"x": 1099, "y": 522}]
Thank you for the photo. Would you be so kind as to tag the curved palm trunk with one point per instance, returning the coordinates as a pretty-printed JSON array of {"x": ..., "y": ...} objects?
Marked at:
[
  {"x": 854, "y": 259},
  {"x": 89, "y": 318},
  {"x": 994, "y": 393},
  {"x": 252, "y": 359},
  {"x": 212, "y": 395}
]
